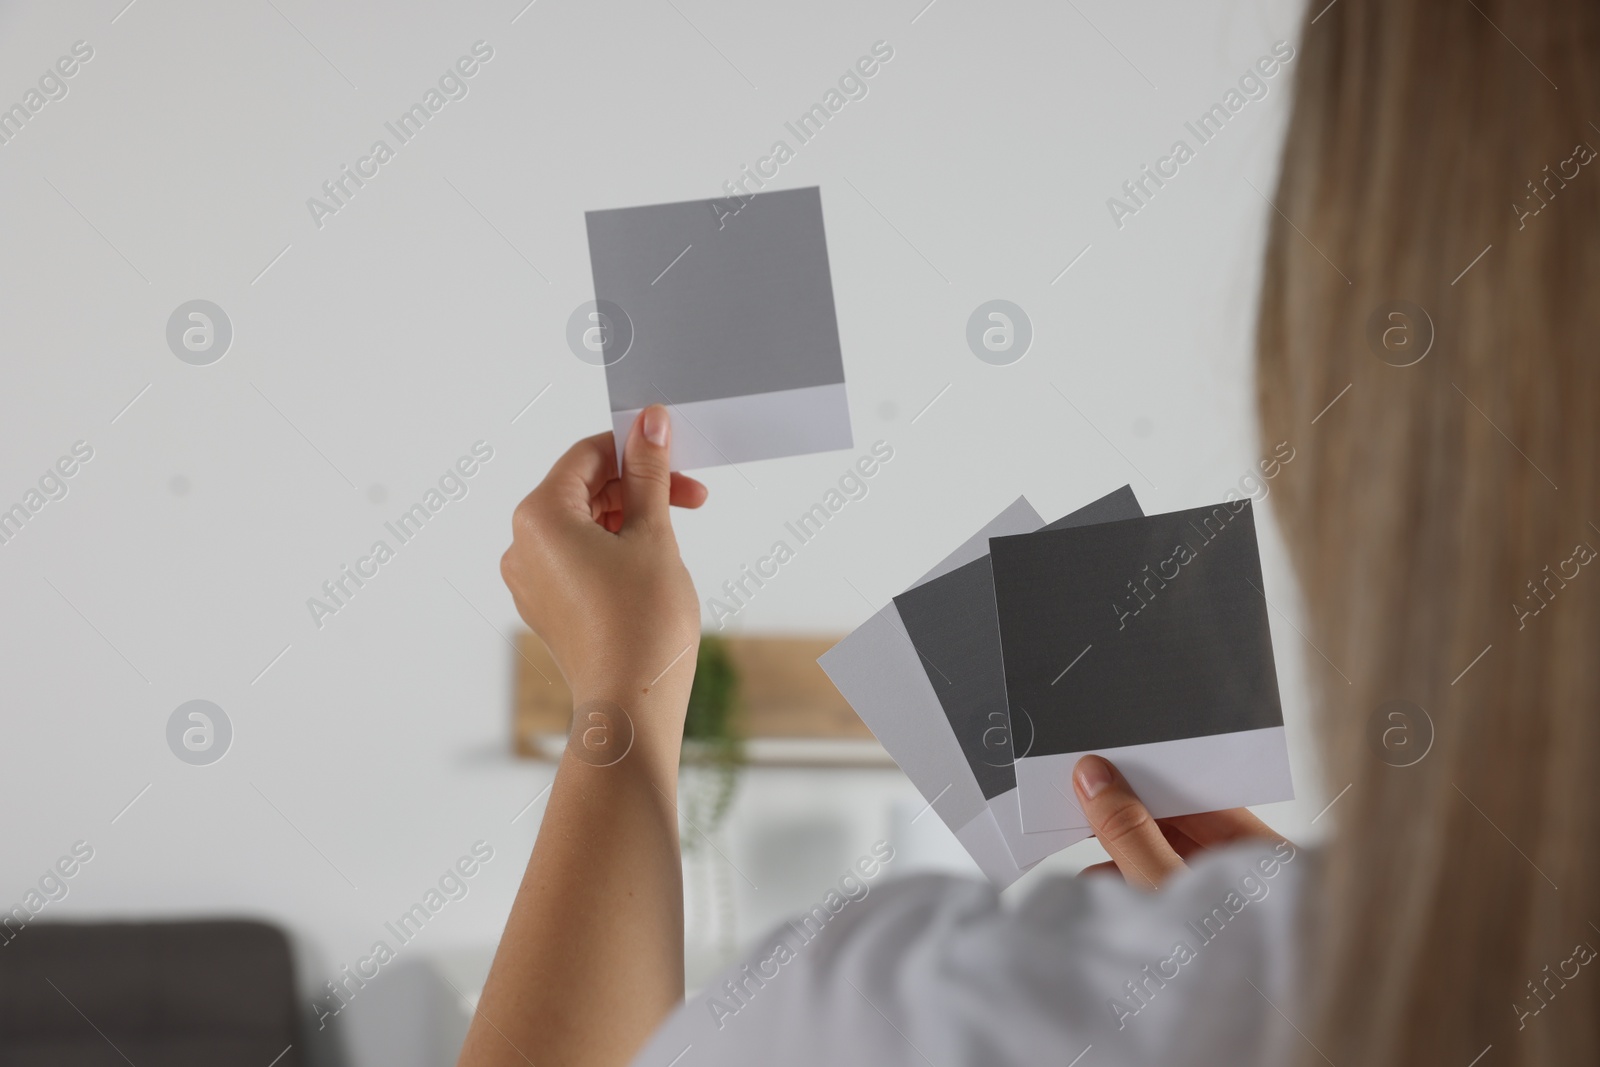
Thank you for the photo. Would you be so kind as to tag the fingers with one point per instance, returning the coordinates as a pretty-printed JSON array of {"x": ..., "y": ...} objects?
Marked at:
[
  {"x": 686, "y": 493},
  {"x": 1096, "y": 869},
  {"x": 581, "y": 472},
  {"x": 1145, "y": 851},
  {"x": 585, "y": 478},
  {"x": 646, "y": 473},
  {"x": 1209, "y": 829},
  {"x": 1181, "y": 843},
  {"x": 1123, "y": 825}
]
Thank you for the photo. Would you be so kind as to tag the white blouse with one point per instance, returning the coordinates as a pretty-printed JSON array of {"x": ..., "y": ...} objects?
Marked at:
[{"x": 933, "y": 970}]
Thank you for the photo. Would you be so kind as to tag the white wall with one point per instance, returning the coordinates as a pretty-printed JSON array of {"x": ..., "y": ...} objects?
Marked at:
[{"x": 379, "y": 347}]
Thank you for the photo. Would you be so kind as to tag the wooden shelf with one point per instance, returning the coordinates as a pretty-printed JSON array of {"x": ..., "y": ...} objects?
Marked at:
[{"x": 783, "y": 696}]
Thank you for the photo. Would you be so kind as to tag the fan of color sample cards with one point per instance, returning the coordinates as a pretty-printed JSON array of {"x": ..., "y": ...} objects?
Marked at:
[{"x": 1142, "y": 639}]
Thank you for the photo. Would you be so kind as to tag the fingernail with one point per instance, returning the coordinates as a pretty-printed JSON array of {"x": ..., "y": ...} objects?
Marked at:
[
  {"x": 656, "y": 425},
  {"x": 1093, "y": 775}
]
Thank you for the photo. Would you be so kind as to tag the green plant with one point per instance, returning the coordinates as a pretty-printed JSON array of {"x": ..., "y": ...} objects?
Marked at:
[{"x": 712, "y": 739}]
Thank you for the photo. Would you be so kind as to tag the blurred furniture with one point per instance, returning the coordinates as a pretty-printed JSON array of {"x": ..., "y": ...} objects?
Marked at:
[
  {"x": 416, "y": 1013},
  {"x": 791, "y": 713},
  {"x": 174, "y": 994}
]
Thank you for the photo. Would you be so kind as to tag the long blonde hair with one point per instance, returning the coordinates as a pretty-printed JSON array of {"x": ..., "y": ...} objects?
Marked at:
[{"x": 1439, "y": 154}]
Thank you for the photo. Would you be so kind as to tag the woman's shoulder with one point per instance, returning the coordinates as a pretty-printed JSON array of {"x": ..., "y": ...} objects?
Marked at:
[{"x": 931, "y": 961}]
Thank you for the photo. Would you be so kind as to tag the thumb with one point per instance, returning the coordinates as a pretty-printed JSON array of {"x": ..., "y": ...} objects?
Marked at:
[
  {"x": 1123, "y": 825},
  {"x": 647, "y": 470}
]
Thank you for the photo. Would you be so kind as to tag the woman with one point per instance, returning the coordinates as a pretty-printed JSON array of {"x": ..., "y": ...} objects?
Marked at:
[{"x": 1441, "y": 517}]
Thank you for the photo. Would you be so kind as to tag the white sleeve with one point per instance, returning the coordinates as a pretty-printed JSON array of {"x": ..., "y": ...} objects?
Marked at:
[{"x": 934, "y": 971}]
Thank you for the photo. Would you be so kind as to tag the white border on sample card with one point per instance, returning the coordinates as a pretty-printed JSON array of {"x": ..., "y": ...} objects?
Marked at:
[
  {"x": 1028, "y": 848},
  {"x": 879, "y": 673},
  {"x": 985, "y": 842},
  {"x": 1178, "y": 777},
  {"x": 1025, "y": 848},
  {"x": 740, "y": 429}
]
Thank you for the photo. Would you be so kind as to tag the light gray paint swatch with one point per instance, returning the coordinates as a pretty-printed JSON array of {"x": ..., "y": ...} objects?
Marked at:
[{"x": 732, "y": 324}]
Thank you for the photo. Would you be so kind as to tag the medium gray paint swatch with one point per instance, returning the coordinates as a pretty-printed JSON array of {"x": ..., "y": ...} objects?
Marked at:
[
  {"x": 1171, "y": 611},
  {"x": 722, "y": 305},
  {"x": 952, "y": 624}
]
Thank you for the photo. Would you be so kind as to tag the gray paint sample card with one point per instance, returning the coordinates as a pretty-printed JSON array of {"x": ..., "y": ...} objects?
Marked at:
[
  {"x": 722, "y": 310},
  {"x": 877, "y": 670},
  {"x": 1145, "y": 641},
  {"x": 952, "y": 622}
]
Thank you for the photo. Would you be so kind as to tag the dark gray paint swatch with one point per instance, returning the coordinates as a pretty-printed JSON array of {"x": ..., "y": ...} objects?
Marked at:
[
  {"x": 722, "y": 304},
  {"x": 1179, "y": 648},
  {"x": 952, "y": 624}
]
